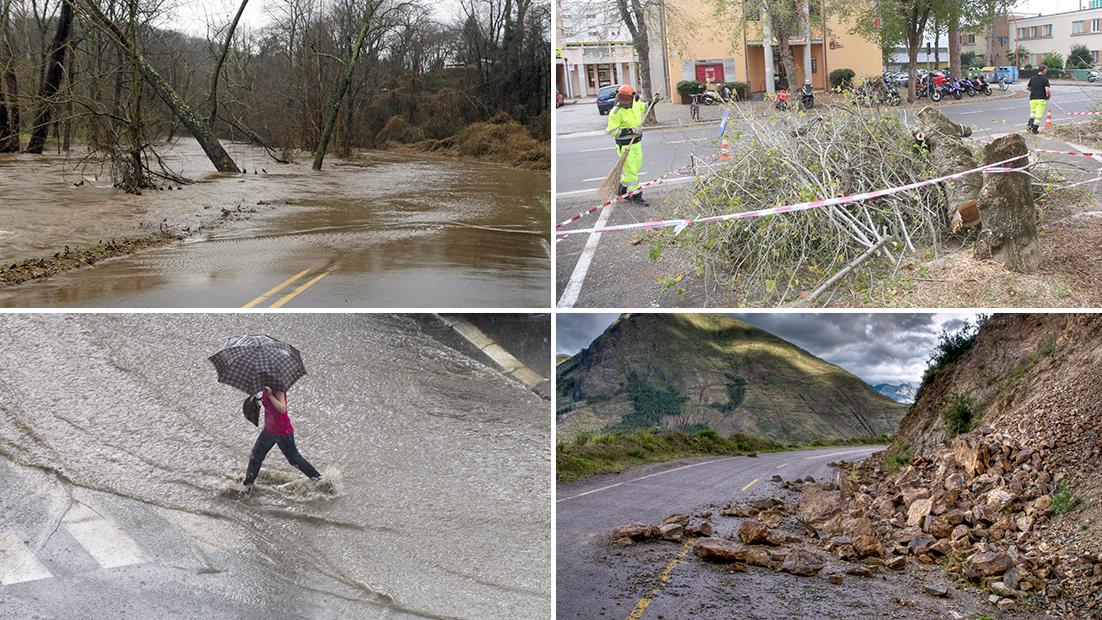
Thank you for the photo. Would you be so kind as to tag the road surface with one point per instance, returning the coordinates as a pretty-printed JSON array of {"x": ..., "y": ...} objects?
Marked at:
[
  {"x": 382, "y": 230},
  {"x": 596, "y": 578},
  {"x": 119, "y": 455},
  {"x": 585, "y": 156}
]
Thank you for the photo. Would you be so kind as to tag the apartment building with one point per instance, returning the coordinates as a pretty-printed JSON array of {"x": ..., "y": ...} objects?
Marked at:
[
  {"x": 722, "y": 50},
  {"x": 992, "y": 44},
  {"x": 1059, "y": 32},
  {"x": 592, "y": 48}
]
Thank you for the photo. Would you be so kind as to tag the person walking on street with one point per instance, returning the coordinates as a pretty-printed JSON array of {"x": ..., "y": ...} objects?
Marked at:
[
  {"x": 625, "y": 124},
  {"x": 277, "y": 431},
  {"x": 1040, "y": 91}
]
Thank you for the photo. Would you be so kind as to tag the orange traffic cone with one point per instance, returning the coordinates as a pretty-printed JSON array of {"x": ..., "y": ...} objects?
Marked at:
[
  {"x": 1048, "y": 118},
  {"x": 724, "y": 150}
]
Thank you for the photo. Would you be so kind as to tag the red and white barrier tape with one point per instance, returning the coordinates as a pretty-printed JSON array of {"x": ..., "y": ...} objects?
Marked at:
[
  {"x": 1076, "y": 153},
  {"x": 1083, "y": 113},
  {"x": 625, "y": 196},
  {"x": 680, "y": 224}
]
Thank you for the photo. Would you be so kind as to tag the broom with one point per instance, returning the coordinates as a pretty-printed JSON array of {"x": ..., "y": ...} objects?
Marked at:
[{"x": 610, "y": 188}]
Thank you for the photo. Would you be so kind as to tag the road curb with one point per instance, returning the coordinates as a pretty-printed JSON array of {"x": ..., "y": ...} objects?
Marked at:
[{"x": 509, "y": 365}]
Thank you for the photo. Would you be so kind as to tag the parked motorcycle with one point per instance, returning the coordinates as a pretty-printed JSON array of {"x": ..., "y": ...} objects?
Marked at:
[
  {"x": 927, "y": 87},
  {"x": 807, "y": 96},
  {"x": 969, "y": 87},
  {"x": 1093, "y": 75},
  {"x": 707, "y": 97},
  {"x": 948, "y": 85},
  {"x": 982, "y": 85},
  {"x": 782, "y": 100}
]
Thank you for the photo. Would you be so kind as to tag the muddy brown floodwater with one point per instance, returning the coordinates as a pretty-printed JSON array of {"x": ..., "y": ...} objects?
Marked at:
[{"x": 388, "y": 229}]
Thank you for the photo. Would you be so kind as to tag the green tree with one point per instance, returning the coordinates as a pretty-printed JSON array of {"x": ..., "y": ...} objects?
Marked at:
[
  {"x": 1080, "y": 57},
  {"x": 1016, "y": 56},
  {"x": 1053, "y": 60}
]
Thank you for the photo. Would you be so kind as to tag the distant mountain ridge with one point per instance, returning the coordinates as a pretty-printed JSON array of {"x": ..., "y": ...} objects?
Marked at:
[
  {"x": 704, "y": 370},
  {"x": 899, "y": 392}
]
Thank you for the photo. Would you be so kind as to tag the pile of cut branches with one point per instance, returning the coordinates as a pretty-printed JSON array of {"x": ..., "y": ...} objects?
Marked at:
[{"x": 795, "y": 158}]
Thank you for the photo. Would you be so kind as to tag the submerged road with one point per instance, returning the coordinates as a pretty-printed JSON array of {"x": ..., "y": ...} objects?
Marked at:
[
  {"x": 119, "y": 455},
  {"x": 591, "y": 582},
  {"x": 380, "y": 230}
]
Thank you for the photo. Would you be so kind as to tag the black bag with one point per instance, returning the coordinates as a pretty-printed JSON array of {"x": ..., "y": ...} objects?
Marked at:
[{"x": 251, "y": 410}]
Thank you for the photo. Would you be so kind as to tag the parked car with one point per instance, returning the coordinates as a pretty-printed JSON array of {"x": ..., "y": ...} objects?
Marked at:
[
  {"x": 559, "y": 99},
  {"x": 606, "y": 98}
]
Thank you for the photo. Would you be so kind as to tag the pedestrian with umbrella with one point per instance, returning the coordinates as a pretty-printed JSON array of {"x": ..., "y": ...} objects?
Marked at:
[{"x": 265, "y": 365}]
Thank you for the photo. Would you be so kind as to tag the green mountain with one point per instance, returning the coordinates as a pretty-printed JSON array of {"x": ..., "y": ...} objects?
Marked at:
[{"x": 705, "y": 370}]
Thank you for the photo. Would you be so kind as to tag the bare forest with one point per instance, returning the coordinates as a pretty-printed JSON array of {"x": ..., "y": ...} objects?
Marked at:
[{"x": 317, "y": 77}]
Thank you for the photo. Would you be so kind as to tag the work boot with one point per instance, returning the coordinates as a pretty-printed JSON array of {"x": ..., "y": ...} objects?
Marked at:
[
  {"x": 638, "y": 199},
  {"x": 623, "y": 190}
]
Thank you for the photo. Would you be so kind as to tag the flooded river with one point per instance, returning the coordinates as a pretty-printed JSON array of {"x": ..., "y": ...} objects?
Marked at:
[
  {"x": 387, "y": 229},
  {"x": 441, "y": 503}
]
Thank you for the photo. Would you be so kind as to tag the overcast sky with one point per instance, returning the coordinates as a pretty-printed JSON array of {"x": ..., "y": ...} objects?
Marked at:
[
  {"x": 191, "y": 16},
  {"x": 879, "y": 348},
  {"x": 1049, "y": 6}
]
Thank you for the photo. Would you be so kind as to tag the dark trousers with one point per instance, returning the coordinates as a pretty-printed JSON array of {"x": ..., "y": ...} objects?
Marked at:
[{"x": 286, "y": 445}]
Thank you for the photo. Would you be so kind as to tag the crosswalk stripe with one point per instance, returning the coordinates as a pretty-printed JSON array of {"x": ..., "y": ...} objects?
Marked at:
[
  {"x": 106, "y": 543},
  {"x": 17, "y": 562}
]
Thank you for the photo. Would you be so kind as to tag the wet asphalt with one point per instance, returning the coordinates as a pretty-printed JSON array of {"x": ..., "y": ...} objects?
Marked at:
[{"x": 118, "y": 450}]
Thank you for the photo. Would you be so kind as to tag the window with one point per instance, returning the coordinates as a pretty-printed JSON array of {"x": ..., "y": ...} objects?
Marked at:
[
  {"x": 1094, "y": 56},
  {"x": 1021, "y": 33},
  {"x": 1077, "y": 27},
  {"x": 1096, "y": 25},
  {"x": 1048, "y": 30},
  {"x": 815, "y": 64},
  {"x": 1033, "y": 32},
  {"x": 971, "y": 39}
]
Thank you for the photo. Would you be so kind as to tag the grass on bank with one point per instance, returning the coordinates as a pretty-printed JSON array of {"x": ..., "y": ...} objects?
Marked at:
[{"x": 590, "y": 454}]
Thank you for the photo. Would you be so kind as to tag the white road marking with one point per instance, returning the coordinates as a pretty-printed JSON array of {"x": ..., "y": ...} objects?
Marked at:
[
  {"x": 593, "y": 179},
  {"x": 17, "y": 562},
  {"x": 689, "y": 140},
  {"x": 1005, "y": 109},
  {"x": 975, "y": 112},
  {"x": 106, "y": 543},
  {"x": 782, "y": 465},
  {"x": 581, "y": 268},
  {"x": 603, "y": 148},
  {"x": 613, "y": 486},
  {"x": 577, "y": 192},
  {"x": 823, "y": 456}
]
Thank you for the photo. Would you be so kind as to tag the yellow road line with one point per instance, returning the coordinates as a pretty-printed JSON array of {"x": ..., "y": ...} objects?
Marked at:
[
  {"x": 645, "y": 602},
  {"x": 782, "y": 465},
  {"x": 289, "y": 296},
  {"x": 279, "y": 287},
  {"x": 752, "y": 483}
]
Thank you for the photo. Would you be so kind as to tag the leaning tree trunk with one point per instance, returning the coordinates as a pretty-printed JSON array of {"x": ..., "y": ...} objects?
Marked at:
[
  {"x": 944, "y": 138},
  {"x": 194, "y": 124},
  {"x": 338, "y": 97},
  {"x": 1009, "y": 232},
  {"x": 55, "y": 72},
  {"x": 221, "y": 61}
]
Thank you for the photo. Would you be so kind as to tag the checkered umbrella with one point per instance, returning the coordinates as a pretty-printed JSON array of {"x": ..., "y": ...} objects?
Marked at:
[{"x": 248, "y": 363}]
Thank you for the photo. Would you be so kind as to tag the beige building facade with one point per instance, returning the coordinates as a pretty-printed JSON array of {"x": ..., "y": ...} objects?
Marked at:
[
  {"x": 1058, "y": 32},
  {"x": 700, "y": 46}
]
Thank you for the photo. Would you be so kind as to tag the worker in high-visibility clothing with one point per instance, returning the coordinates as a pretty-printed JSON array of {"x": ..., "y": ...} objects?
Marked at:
[{"x": 625, "y": 124}]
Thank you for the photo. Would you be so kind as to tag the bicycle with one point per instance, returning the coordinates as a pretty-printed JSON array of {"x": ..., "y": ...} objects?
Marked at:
[
  {"x": 1004, "y": 84},
  {"x": 694, "y": 107}
]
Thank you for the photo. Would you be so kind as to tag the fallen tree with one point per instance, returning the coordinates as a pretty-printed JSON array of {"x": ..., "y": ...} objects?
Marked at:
[{"x": 198, "y": 127}]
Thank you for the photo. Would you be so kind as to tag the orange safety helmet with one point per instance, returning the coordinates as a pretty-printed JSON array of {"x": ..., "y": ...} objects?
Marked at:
[{"x": 625, "y": 95}]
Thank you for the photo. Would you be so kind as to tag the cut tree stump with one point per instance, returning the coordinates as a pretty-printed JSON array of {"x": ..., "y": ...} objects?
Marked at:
[
  {"x": 945, "y": 139},
  {"x": 1009, "y": 232}
]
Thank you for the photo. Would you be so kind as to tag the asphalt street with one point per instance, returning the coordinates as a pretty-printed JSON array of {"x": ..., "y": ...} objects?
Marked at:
[
  {"x": 121, "y": 457},
  {"x": 590, "y": 584},
  {"x": 584, "y": 154}
]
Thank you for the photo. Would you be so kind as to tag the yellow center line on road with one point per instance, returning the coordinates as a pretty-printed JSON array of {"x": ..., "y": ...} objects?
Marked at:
[
  {"x": 289, "y": 296},
  {"x": 782, "y": 465},
  {"x": 645, "y": 602},
  {"x": 277, "y": 288},
  {"x": 752, "y": 483}
]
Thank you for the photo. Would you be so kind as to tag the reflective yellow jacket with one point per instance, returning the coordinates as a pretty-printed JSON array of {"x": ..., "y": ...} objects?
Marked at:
[{"x": 626, "y": 124}]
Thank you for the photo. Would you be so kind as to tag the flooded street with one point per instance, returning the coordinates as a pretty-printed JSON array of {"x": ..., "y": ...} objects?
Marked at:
[
  {"x": 117, "y": 442},
  {"x": 380, "y": 230}
]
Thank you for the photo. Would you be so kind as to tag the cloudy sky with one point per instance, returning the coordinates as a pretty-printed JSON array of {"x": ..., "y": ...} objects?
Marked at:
[
  {"x": 1050, "y": 6},
  {"x": 879, "y": 348},
  {"x": 192, "y": 16}
]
